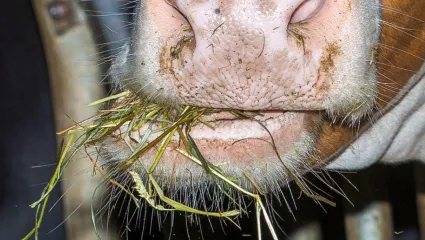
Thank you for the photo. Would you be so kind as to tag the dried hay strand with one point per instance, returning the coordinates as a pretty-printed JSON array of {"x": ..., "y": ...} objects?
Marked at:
[{"x": 127, "y": 110}]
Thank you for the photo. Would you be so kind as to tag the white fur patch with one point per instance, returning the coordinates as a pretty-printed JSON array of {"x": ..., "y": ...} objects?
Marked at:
[{"x": 398, "y": 136}]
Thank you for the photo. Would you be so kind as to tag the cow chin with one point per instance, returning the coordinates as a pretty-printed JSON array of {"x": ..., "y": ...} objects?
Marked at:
[{"x": 293, "y": 73}]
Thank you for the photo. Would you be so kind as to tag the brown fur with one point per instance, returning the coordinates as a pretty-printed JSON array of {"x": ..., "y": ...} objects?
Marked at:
[{"x": 401, "y": 53}]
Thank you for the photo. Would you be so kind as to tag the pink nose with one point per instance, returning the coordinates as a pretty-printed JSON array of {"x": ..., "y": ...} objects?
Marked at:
[
  {"x": 237, "y": 54},
  {"x": 259, "y": 25},
  {"x": 275, "y": 12}
]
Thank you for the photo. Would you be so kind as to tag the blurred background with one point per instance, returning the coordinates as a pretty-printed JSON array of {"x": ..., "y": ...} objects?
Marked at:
[{"x": 54, "y": 57}]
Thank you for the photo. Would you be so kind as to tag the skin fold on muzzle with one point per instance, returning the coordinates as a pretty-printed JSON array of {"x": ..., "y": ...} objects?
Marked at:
[{"x": 319, "y": 72}]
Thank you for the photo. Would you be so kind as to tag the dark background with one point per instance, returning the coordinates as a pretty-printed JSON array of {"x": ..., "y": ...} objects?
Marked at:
[
  {"x": 27, "y": 134},
  {"x": 27, "y": 139}
]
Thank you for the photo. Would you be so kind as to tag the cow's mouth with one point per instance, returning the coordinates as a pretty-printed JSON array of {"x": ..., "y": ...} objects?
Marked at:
[
  {"x": 226, "y": 137},
  {"x": 262, "y": 144}
]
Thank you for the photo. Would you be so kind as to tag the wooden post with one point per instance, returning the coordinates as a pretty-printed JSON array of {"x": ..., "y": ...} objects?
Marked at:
[
  {"x": 75, "y": 81},
  {"x": 371, "y": 216}
]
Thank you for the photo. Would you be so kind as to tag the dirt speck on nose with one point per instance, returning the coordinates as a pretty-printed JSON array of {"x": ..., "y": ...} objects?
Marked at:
[
  {"x": 168, "y": 54},
  {"x": 332, "y": 51},
  {"x": 349, "y": 6},
  {"x": 176, "y": 50},
  {"x": 298, "y": 37},
  {"x": 327, "y": 65}
]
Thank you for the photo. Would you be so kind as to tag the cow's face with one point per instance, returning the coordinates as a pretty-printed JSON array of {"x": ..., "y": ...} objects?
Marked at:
[{"x": 301, "y": 64}]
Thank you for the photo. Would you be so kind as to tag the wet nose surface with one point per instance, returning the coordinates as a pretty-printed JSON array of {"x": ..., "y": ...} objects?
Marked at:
[{"x": 244, "y": 55}]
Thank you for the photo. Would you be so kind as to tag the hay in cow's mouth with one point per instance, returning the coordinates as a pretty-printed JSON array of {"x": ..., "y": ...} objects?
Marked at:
[{"x": 126, "y": 108}]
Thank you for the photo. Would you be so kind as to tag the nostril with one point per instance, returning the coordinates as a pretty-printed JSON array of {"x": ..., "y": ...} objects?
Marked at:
[{"x": 306, "y": 10}]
